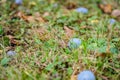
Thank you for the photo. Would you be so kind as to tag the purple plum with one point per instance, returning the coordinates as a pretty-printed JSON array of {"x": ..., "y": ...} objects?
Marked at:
[
  {"x": 74, "y": 43},
  {"x": 112, "y": 21},
  {"x": 18, "y": 2},
  {"x": 82, "y": 10},
  {"x": 86, "y": 75},
  {"x": 11, "y": 53}
]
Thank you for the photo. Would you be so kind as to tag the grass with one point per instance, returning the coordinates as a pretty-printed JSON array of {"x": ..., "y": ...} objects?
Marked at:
[{"x": 40, "y": 53}]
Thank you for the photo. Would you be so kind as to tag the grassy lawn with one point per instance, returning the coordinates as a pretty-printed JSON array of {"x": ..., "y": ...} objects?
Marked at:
[{"x": 39, "y": 31}]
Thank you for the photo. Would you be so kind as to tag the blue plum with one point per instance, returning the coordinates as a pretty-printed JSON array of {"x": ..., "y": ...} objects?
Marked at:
[
  {"x": 112, "y": 21},
  {"x": 19, "y": 2},
  {"x": 11, "y": 53},
  {"x": 86, "y": 75},
  {"x": 74, "y": 43},
  {"x": 82, "y": 10}
]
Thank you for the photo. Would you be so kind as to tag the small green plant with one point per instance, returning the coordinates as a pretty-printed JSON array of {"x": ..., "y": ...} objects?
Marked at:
[
  {"x": 1, "y": 30},
  {"x": 5, "y": 61}
]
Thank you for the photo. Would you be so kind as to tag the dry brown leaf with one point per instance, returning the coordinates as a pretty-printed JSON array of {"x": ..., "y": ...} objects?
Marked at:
[
  {"x": 43, "y": 33},
  {"x": 24, "y": 17},
  {"x": 106, "y": 8},
  {"x": 102, "y": 55},
  {"x": 41, "y": 30},
  {"x": 19, "y": 14},
  {"x": 68, "y": 32},
  {"x": 71, "y": 4},
  {"x": 37, "y": 14},
  {"x": 34, "y": 18},
  {"x": 10, "y": 36},
  {"x": 62, "y": 43},
  {"x": 13, "y": 41},
  {"x": 86, "y": 27},
  {"x": 73, "y": 77},
  {"x": 46, "y": 14},
  {"x": 38, "y": 17},
  {"x": 104, "y": 77},
  {"x": 1, "y": 51},
  {"x": 29, "y": 18},
  {"x": 116, "y": 13}
]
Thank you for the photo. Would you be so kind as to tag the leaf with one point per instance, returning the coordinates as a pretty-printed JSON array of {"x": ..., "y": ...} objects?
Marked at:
[
  {"x": 5, "y": 61},
  {"x": 6, "y": 41},
  {"x": 116, "y": 13},
  {"x": 62, "y": 43},
  {"x": 49, "y": 67},
  {"x": 32, "y": 3},
  {"x": 42, "y": 33},
  {"x": 46, "y": 14},
  {"x": 19, "y": 14},
  {"x": 38, "y": 17},
  {"x": 12, "y": 40},
  {"x": 30, "y": 18},
  {"x": 106, "y": 8},
  {"x": 1, "y": 52},
  {"x": 71, "y": 4},
  {"x": 86, "y": 27},
  {"x": 114, "y": 50},
  {"x": 68, "y": 32},
  {"x": 73, "y": 77},
  {"x": 1, "y": 30}
]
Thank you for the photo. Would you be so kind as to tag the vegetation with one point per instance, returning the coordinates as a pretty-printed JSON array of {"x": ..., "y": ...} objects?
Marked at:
[{"x": 39, "y": 31}]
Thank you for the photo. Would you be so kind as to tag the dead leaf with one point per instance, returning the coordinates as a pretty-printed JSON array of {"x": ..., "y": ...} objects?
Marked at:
[
  {"x": 116, "y": 13},
  {"x": 37, "y": 14},
  {"x": 32, "y": 3},
  {"x": 102, "y": 55},
  {"x": 1, "y": 51},
  {"x": 71, "y": 5},
  {"x": 86, "y": 27},
  {"x": 94, "y": 21},
  {"x": 41, "y": 30},
  {"x": 29, "y": 18},
  {"x": 38, "y": 17},
  {"x": 46, "y": 14},
  {"x": 10, "y": 36},
  {"x": 42, "y": 33},
  {"x": 104, "y": 77},
  {"x": 118, "y": 57},
  {"x": 19, "y": 14},
  {"x": 73, "y": 77},
  {"x": 13, "y": 41},
  {"x": 106, "y": 8},
  {"x": 62, "y": 43},
  {"x": 68, "y": 32}
]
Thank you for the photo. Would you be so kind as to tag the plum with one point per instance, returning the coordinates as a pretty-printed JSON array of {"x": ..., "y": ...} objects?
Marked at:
[
  {"x": 86, "y": 75},
  {"x": 82, "y": 10},
  {"x": 74, "y": 43},
  {"x": 112, "y": 21},
  {"x": 11, "y": 53},
  {"x": 18, "y": 2}
]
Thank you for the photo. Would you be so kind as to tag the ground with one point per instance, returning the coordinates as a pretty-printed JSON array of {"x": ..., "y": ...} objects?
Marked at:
[{"x": 39, "y": 31}]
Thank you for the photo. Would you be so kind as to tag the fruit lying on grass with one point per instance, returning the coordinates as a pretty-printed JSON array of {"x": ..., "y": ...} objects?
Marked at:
[
  {"x": 82, "y": 10},
  {"x": 112, "y": 21},
  {"x": 74, "y": 43},
  {"x": 11, "y": 53},
  {"x": 86, "y": 75},
  {"x": 19, "y": 2}
]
